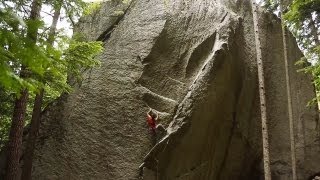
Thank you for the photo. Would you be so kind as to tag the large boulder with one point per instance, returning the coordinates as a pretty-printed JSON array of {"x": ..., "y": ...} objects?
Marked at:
[{"x": 195, "y": 63}]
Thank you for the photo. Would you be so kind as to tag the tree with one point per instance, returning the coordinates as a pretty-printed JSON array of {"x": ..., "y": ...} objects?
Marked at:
[
  {"x": 41, "y": 65},
  {"x": 78, "y": 57},
  {"x": 290, "y": 115},
  {"x": 263, "y": 108},
  {"x": 36, "y": 114},
  {"x": 16, "y": 131}
]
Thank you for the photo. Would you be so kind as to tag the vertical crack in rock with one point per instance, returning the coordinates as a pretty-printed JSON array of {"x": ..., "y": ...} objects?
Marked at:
[{"x": 107, "y": 33}]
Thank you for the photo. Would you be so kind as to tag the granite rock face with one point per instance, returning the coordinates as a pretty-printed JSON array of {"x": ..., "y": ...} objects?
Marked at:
[{"x": 195, "y": 63}]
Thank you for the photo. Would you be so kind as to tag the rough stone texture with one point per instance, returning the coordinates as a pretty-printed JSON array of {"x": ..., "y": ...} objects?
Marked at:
[
  {"x": 194, "y": 62},
  {"x": 100, "y": 23}
]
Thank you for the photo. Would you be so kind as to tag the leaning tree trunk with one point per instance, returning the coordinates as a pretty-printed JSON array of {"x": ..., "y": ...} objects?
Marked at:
[
  {"x": 36, "y": 114},
  {"x": 16, "y": 131},
  {"x": 15, "y": 136},
  {"x": 289, "y": 99},
  {"x": 264, "y": 123},
  {"x": 34, "y": 126}
]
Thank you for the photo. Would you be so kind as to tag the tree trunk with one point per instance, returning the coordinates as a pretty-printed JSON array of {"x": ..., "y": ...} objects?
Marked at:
[
  {"x": 289, "y": 99},
  {"x": 16, "y": 131},
  {"x": 36, "y": 114},
  {"x": 264, "y": 123},
  {"x": 15, "y": 136},
  {"x": 53, "y": 27},
  {"x": 33, "y": 133}
]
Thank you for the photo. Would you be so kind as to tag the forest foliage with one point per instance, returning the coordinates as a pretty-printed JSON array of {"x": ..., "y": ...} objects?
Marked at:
[{"x": 46, "y": 66}]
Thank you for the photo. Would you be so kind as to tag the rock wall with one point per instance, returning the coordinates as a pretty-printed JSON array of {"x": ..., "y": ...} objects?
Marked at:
[{"x": 193, "y": 62}]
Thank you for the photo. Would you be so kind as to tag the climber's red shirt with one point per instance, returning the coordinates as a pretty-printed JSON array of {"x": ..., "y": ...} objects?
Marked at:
[{"x": 151, "y": 122}]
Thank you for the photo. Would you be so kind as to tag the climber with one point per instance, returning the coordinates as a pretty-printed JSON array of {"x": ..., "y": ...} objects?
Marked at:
[{"x": 152, "y": 117}]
